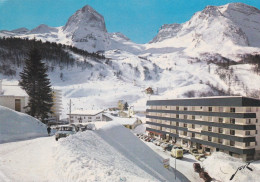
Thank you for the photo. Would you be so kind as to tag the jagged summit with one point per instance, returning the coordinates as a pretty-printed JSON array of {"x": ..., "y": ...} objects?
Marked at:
[
  {"x": 84, "y": 22},
  {"x": 216, "y": 28},
  {"x": 43, "y": 29},
  {"x": 20, "y": 30}
]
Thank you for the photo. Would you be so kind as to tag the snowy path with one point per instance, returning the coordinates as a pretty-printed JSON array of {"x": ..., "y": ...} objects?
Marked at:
[
  {"x": 111, "y": 153},
  {"x": 29, "y": 160}
]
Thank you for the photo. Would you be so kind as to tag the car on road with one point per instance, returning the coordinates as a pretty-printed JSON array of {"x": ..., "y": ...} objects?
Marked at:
[
  {"x": 64, "y": 131},
  {"x": 168, "y": 147}
]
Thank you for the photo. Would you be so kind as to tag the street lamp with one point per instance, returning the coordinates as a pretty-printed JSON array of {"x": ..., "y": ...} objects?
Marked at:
[{"x": 240, "y": 168}]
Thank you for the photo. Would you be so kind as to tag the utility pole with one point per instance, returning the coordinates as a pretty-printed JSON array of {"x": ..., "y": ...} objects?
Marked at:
[{"x": 70, "y": 111}]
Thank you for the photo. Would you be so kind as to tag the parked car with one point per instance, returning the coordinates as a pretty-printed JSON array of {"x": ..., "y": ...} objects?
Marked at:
[
  {"x": 64, "y": 131},
  {"x": 158, "y": 143},
  {"x": 185, "y": 151},
  {"x": 164, "y": 145},
  {"x": 205, "y": 176},
  {"x": 168, "y": 147},
  {"x": 156, "y": 140},
  {"x": 196, "y": 154},
  {"x": 152, "y": 139},
  {"x": 177, "y": 152},
  {"x": 197, "y": 168}
]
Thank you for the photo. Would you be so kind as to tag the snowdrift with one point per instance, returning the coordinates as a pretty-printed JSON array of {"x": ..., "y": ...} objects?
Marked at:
[
  {"x": 16, "y": 126},
  {"x": 111, "y": 153},
  {"x": 221, "y": 166}
]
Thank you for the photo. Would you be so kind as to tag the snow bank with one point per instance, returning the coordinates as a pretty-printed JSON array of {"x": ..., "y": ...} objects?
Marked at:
[
  {"x": 18, "y": 126},
  {"x": 140, "y": 129},
  {"x": 221, "y": 167},
  {"x": 111, "y": 153}
]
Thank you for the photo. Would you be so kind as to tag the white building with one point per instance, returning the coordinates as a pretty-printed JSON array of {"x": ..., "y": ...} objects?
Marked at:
[
  {"x": 84, "y": 116},
  {"x": 14, "y": 97}
]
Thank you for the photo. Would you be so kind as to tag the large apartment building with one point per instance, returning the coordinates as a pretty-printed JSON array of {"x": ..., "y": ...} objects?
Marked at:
[{"x": 228, "y": 124}]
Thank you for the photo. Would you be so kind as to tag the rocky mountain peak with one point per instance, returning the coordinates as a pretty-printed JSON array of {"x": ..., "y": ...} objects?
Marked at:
[{"x": 85, "y": 20}]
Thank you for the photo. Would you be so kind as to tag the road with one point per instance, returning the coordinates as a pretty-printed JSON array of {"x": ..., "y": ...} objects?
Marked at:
[{"x": 30, "y": 160}]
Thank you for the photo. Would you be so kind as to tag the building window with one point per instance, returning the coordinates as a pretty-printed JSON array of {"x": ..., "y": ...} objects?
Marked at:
[
  {"x": 210, "y": 109},
  {"x": 193, "y": 126},
  {"x": 84, "y": 117},
  {"x": 177, "y": 123},
  {"x": 209, "y": 138},
  {"x": 256, "y": 120},
  {"x": 177, "y": 116},
  {"x": 232, "y": 132},
  {"x": 247, "y": 144},
  {"x": 220, "y": 130},
  {"x": 192, "y": 117},
  {"x": 221, "y": 109},
  {"x": 193, "y": 135},
  {"x": 97, "y": 117},
  {"x": 89, "y": 117},
  {"x": 248, "y": 121},
  {"x": 247, "y": 132},
  {"x": 71, "y": 116},
  {"x": 232, "y": 143},
  {"x": 232, "y": 120},
  {"x": 232, "y": 109},
  {"x": 185, "y": 108},
  {"x": 220, "y": 140},
  {"x": 210, "y": 118},
  {"x": 185, "y": 133},
  {"x": 185, "y": 125},
  {"x": 255, "y": 131},
  {"x": 185, "y": 116},
  {"x": 177, "y": 108},
  {"x": 220, "y": 120},
  {"x": 209, "y": 128}
]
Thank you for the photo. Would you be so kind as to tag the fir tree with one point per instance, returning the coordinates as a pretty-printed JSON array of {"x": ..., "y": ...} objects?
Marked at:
[{"x": 34, "y": 80}]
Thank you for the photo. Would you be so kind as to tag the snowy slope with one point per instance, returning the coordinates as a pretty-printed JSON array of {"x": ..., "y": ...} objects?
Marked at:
[
  {"x": 229, "y": 30},
  {"x": 111, "y": 153},
  {"x": 226, "y": 165},
  {"x": 181, "y": 61},
  {"x": 85, "y": 29},
  {"x": 16, "y": 126}
]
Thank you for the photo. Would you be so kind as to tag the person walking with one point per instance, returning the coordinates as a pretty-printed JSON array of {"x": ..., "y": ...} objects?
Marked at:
[{"x": 49, "y": 130}]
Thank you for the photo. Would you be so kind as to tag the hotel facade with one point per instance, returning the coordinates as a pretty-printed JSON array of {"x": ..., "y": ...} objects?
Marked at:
[{"x": 227, "y": 124}]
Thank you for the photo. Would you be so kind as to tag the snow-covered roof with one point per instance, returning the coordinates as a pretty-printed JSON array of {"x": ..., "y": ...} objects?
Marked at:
[
  {"x": 122, "y": 121},
  {"x": 86, "y": 112},
  {"x": 13, "y": 90},
  {"x": 212, "y": 97}
]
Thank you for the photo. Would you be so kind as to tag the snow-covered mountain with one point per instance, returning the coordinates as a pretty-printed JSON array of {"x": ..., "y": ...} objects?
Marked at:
[
  {"x": 200, "y": 57},
  {"x": 230, "y": 29},
  {"x": 85, "y": 29}
]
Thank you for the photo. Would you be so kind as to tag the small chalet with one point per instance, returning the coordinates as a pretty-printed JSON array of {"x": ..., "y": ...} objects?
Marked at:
[{"x": 149, "y": 90}]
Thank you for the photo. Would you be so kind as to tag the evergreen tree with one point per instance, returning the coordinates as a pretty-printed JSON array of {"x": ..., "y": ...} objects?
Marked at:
[
  {"x": 126, "y": 106},
  {"x": 34, "y": 80}
]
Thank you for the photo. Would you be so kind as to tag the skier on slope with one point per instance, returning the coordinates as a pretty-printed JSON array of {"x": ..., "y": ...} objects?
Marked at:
[{"x": 49, "y": 130}]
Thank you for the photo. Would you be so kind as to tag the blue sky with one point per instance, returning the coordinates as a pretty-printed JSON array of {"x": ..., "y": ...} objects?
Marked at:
[{"x": 140, "y": 20}]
